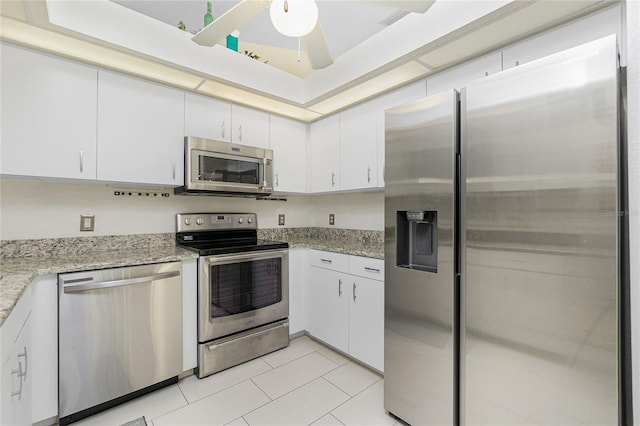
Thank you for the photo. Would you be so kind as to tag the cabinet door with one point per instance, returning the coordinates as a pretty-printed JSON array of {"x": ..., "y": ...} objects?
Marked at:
[
  {"x": 324, "y": 155},
  {"x": 140, "y": 131},
  {"x": 250, "y": 127},
  {"x": 297, "y": 280},
  {"x": 44, "y": 353},
  {"x": 366, "y": 320},
  {"x": 15, "y": 377},
  {"x": 328, "y": 307},
  {"x": 207, "y": 118},
  {"x": 288, "y": 140},
  {"x": 592, "y": 27},
  {"x": 359, "y": 147},
  {"x": 48, "y": 116}
]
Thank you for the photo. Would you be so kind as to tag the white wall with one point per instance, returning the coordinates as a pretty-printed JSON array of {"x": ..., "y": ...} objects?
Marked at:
[
  {"x": 633, "y": 116},
  {"x": 351, "y": 210},
  {"x": 49, "y": 210}
]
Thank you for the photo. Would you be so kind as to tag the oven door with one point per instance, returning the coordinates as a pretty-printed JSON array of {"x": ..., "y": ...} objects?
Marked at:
[
  {"x": 237, "y": 292},
  {"x": 219, "y": 172}
]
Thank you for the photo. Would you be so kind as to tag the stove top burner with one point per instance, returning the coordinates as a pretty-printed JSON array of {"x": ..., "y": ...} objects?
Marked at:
[{"x": 221, "y": 233}]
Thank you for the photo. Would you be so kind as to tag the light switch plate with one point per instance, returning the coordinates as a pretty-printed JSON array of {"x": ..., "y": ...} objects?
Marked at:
[
  {"x": 281, "y": 219},
  {"x": 87, "y": 222},
  {"x": 332, "y": 219}
]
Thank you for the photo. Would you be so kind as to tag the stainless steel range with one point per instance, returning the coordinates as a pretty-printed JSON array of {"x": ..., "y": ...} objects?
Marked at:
[{"x": 243, "y": 288}]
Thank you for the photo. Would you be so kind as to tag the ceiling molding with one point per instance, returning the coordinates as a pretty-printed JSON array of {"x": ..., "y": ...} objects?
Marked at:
[{"x": 252, "y": 83}]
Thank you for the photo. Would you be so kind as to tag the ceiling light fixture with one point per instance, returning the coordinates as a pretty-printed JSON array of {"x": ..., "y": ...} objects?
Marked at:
[{"x": 294, "y": 18}]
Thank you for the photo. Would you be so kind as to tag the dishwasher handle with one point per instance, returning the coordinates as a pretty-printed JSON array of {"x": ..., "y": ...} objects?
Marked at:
[{"x": 72, "y": 286}]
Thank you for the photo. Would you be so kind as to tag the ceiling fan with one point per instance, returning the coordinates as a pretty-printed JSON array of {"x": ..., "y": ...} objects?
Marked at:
[{"x": 314, "y": 39}]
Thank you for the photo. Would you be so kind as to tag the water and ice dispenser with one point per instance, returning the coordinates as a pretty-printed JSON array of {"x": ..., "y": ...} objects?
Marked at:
[{"x": 417, "y": 240}]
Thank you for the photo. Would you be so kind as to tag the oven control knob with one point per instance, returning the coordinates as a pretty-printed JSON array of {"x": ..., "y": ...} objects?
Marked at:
[
  {"x": 199, "y": 221},
  {"x": 187, "y": 221},
  {"x": 241, "y": 220},
  {"x": 249, "y": 220}
]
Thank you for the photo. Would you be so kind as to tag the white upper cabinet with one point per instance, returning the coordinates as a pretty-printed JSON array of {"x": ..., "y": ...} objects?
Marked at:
[
  {"x": 140, "y": 131},
  {"x": 249, "y": 127},
  {"x": 460, "y": 76},
  {"x": 324, "y": 155},
  {"x": 207, "y": 118},
  {"x": 359, "y": 147},
  {"x": 593, "y": 27},
  {"x": 288, "y": 140},
  {"x": 48, "y": 116}
]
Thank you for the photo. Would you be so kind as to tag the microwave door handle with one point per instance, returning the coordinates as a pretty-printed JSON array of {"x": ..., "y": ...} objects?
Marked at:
[{"x": 264, "y": 172}]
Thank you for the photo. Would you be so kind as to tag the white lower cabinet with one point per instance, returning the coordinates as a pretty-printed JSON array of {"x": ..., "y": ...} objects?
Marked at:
[
  {"x": 44, "y": 344},
  {"x": 297, "y": 280},
  {"x": 366, "y": 321},
  {"x": 345, "y": 304},
  {"x": 328, "y": 307},
  {"x": 16, "y": 369}
]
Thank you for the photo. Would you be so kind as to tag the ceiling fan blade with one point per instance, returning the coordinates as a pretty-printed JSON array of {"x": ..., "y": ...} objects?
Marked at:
[
  {"x": 418, "y": 6},
  {"x": 235, "y": 17},
  {"x": 315, "y": 43}
]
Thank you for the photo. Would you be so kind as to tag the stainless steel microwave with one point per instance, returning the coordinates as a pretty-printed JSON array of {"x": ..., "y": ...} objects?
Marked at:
[{"x": 214, "y": 167}]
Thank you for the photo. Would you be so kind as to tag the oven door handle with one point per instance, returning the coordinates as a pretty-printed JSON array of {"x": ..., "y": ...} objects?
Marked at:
[{"x": 233, "y": 258}]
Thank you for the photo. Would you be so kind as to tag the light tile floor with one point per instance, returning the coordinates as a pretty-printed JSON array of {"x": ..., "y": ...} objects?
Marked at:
[{"x": 305, "y": 383}]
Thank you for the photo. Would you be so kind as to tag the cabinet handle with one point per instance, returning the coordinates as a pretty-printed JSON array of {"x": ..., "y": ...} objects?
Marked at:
[
  {"x": 333, "y": 179},
  {"x": 339, "y": 288},
  {"x": 368, "y": 174},
  {"x": 277, "y": 180},
  {"x": 81, "y": 161},
  {"x": 173, "y": 165},
  {"x": 240, "y": 133},
  {"x": 326, "y": 261},
  {"x": 377, "y": 271},
  {"x": 18, "y": 372},
  {"x": 223, "y": 130},
  {"x": 354, "y": 292},
  {"x": 26, "y": 362}
]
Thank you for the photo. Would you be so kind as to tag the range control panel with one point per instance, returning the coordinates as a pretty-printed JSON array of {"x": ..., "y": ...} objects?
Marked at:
[{"x": 186, "y": 222}]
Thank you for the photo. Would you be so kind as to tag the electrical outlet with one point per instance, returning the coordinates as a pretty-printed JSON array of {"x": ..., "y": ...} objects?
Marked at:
[
  {"x": 87, "y": 222},
  {"x": 281, "y": 219},
  {"x": 332, "y": 219}
]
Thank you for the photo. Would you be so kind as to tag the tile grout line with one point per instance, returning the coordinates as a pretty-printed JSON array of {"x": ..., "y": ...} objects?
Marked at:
[
  {"x": 339, "y": 405},
  {"x": 165, "y": 414}
]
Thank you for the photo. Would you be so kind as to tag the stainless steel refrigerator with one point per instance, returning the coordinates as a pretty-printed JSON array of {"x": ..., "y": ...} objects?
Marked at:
[{"x": 502, "y": 248}]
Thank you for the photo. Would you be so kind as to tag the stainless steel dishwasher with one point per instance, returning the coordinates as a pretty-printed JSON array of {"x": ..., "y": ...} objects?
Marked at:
[{"x": 120, "y": 335}]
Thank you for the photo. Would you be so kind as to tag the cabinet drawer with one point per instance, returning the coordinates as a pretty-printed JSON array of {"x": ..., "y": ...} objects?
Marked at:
[
  {"x": 367, "y": 267},
  {"x": 328, "y": 260}
]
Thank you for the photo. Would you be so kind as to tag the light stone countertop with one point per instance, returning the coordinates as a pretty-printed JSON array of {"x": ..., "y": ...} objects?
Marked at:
[
  {"x": 18, "y": 272},
  {"x": 373, "y": 250},
  {"x": 21, "y": 261}
]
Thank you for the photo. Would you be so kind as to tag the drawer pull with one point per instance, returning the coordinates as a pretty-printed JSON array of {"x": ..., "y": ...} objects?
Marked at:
[
  {"x": 26, "y": 362},
  {"x": 326, "y": 261},
  {"x": 377, "y": 271}
]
